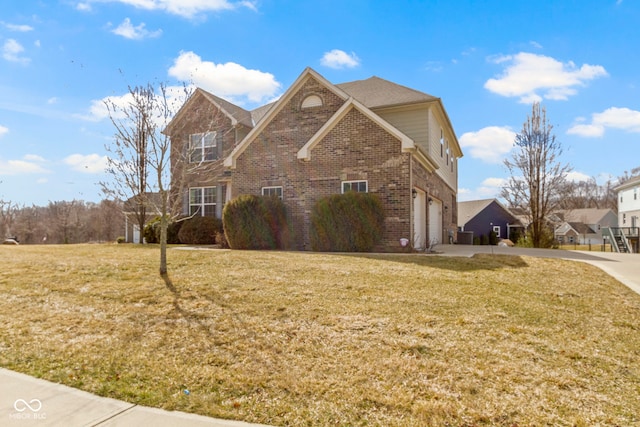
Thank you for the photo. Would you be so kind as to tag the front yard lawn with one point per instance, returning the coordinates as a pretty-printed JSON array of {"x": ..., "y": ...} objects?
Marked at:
[{"x": 288, "y": 338}]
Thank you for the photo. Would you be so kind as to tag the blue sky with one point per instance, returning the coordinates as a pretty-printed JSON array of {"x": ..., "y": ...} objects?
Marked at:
[{"x": 487, "y": 60}]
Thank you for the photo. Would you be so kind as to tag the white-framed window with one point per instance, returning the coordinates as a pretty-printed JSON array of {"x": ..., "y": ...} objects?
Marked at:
[
  {"x": 272, "y": 191},
  {"x": 202, "y": 147},
  {"x": 496, "y": 230},
  {"x": 202, "y": 201},
  {"x": 357, "y": 186},
  {"x": 447, "y": 144}
]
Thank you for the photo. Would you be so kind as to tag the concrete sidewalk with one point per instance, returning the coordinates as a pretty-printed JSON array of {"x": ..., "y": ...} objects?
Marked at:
[
  {"x": 623, "y": 267},
  {"x": 27, "y": 401}
]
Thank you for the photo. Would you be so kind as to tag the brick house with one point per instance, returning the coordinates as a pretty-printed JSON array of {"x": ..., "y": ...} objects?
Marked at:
[{"x": 320, "y": 139}]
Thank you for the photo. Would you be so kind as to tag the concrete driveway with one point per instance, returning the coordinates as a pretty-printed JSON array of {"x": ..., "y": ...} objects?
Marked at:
[{"x": 623, "y": 267}]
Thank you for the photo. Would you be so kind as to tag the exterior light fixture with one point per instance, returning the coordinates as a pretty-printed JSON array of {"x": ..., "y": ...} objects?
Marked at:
[{"x": 414, "y": 193}]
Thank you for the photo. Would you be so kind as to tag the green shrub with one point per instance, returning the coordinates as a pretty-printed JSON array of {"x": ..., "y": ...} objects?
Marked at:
[
  {"x": 256, "y": 222},
  {"x": 151, "y": 232},
  {"x": 476, "y": 240},
  {"x": 493, "y": 238},
  {"x": 199, "y": 230},
  {"x": 350, "y": 222},
  {"x": 121, "y": 239},
  {"x": 484, "y": 239},
  {"x": 173, "y": 233}
]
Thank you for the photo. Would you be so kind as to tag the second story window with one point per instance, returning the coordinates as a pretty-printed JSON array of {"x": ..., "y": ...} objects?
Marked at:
[{"x": 202, "y": 147}]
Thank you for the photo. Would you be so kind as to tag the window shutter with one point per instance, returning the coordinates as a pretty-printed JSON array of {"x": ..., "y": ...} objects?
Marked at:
[
  {"x": 219, "y": 145},
  {"x": 185, "y": 202}
]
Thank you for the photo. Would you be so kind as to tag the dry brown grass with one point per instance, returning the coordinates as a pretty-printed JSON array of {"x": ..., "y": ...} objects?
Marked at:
[{"x": 326, "y": 339}]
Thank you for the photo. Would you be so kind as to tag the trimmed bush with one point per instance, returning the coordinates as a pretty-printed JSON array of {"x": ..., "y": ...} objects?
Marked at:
[
  {"x": 256, "y": 222},
  {"x": 151, "y": 232},
  {"x": 173, "y": 232},
  {"x": 350, "y": 222},
  {"x": 199, "y": 230}
]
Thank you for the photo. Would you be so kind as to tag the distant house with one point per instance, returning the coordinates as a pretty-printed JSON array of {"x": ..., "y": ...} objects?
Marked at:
[
  {"x": 629, "y": 203},
  {"x": 484, "y": 216},
  {"x": 320, "y": 139},
  {"x": 132, "y": 232},
  {"x": 583, "y": 226},
  {"x": 629, "y": 212}
]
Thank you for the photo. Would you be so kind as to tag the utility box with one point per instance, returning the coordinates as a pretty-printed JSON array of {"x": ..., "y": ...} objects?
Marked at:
[{"x": 465, "y": 237}]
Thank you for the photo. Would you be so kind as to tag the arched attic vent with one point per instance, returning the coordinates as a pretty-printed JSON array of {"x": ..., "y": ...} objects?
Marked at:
[{"x": 312, "y": 101}]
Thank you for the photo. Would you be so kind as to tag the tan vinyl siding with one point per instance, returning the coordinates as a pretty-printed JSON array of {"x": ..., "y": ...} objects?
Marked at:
[
  {"x": 444, "y": 171},
  {"x": 414, "y": 124}
]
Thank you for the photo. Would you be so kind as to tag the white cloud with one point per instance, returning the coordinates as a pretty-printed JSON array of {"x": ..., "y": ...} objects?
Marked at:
[
  {"x": 90, "y": 163},
  {"x": 489, "y": 144},
  {"x": 230, "y": 80},
  {"x": 17, "y": 27},
  {"x": 52, "y": 100},
  {"x": 490, "y": 188},
  {"x": 3, "y": 130},
  {"x": 612, "y": 118},
  {"x": 338, "y": 59},
  {"x": 99, "y": 111},
  {"x": 184, "y": 8},
  {"x": 139, "y": 32},
  {"x": 119, "y": 104},
  {"x": 17, "y": 167},
  {"x": 533, "y": 77},
  {"x": 12, "y": 50},
  {"x": 34, "y": 158},
  {"x": 574, "y": 176}
]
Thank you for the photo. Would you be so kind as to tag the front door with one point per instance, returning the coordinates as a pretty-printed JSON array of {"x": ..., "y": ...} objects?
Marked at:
[{"x": 419, "y": 220}]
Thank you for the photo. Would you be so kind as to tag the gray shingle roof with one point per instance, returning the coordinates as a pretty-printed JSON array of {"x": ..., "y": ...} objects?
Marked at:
[
  {"x": 469, "y": 209},
  {"x": 240, "y": 114},
  {"x": 376, "y": 92}
]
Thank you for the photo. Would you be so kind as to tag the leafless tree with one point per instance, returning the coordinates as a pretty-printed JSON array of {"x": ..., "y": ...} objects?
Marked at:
[
  {"x": 128, "y": 159},
  {"x": 142, "y": 163},
  {"x": 537, "y": 175},
  {"x": 8, "y": 211}
]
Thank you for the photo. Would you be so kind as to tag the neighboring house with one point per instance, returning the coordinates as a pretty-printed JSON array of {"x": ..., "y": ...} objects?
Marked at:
[
  {"x": 629, "y": 203},
  {"x": 132, "y": 232},
  {"x": 629, "y": 212},
  {"x": 320, "y": 139},
  {"x": 481, "y": 217},
  {"x": 583, "y": 226}
]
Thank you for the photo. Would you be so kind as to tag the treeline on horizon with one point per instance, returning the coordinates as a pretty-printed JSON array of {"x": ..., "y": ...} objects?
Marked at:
[
  {"x": 78, "y": 221},
  {"x": 62, "y": 222}
]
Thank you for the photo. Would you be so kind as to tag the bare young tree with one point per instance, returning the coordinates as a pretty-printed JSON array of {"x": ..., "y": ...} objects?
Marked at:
[
  {"x": 142, "y": 165},
  {"x": 128, "y": 153},
  {"x": 537, "y": 175}
]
